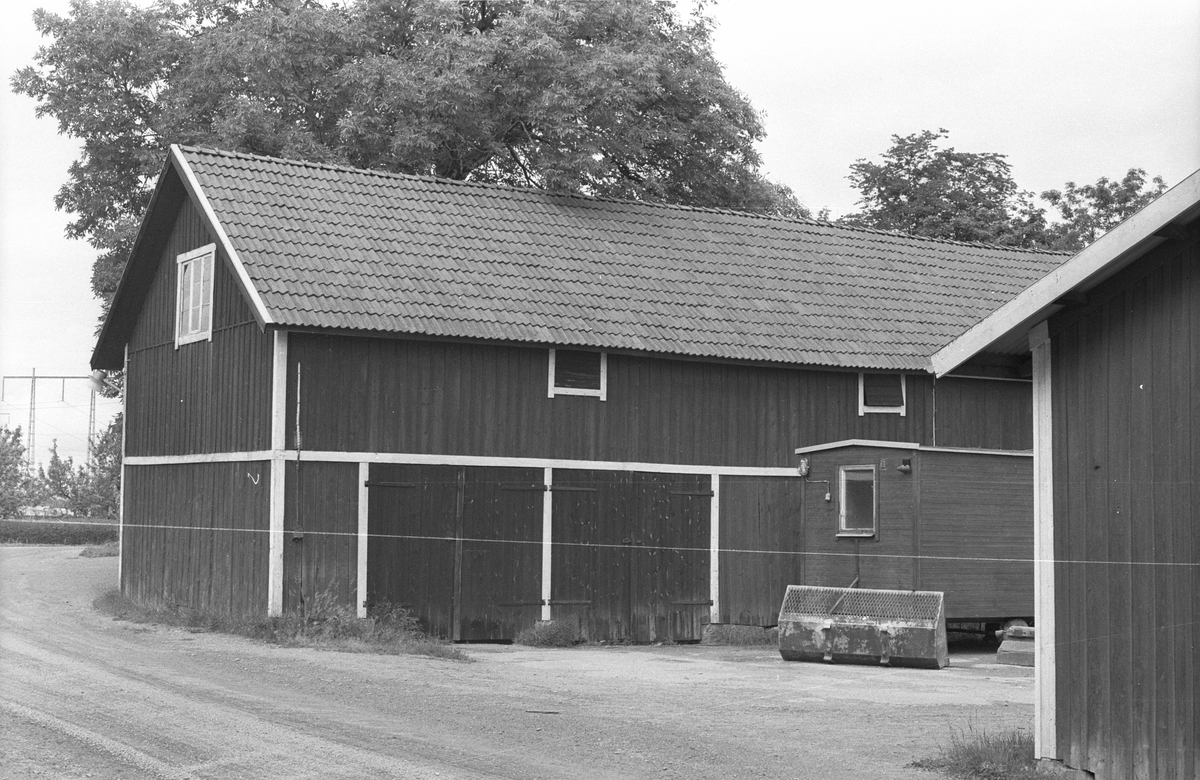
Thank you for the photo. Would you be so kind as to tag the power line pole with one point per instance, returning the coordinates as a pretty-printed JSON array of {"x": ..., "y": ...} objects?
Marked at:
[{"x": 31, "y": 450}]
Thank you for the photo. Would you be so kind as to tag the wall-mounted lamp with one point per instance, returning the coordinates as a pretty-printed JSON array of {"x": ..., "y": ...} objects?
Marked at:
[
  {"x": 802, "y": 469},
  {"x": 905, "y": 466}
]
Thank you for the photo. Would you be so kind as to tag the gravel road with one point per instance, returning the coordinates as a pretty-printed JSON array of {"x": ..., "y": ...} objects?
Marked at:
[{"x": 82, "y": 695}]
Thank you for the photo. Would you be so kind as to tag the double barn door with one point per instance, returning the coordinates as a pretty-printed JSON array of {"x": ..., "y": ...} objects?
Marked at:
[{"x": 462, "y": 547}]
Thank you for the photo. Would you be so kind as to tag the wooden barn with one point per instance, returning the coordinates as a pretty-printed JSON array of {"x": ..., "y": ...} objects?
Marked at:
[
  {"x": 495, "y": 405},
  {"x": 1115, "y": 341}
]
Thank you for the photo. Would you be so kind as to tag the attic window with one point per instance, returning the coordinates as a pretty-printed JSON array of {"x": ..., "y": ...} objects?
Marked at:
[
  {"x": 578, "y": 372},
  {"x": 881, "y": 394},
  {"x": 193, "y": 309}
]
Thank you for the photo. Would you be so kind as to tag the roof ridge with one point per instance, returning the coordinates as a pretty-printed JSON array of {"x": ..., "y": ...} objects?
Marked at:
[{"x": 807, "y": 221}]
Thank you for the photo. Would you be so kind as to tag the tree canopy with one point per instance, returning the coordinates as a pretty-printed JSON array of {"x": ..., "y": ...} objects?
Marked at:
[
  {"x": 622, "y": 98},
  {"x": 924, "y": 189}
]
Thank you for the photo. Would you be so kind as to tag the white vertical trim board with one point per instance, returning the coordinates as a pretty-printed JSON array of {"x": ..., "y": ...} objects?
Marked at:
[
  {"x": 1044, "y": 670},
  {"x": 277, "y": 497},
  {"x": 364, "y": 472},
  {"x": 121, "y": 488},
  {"x": 547, "y": 541},
  {"x": 714, "y": 551}
]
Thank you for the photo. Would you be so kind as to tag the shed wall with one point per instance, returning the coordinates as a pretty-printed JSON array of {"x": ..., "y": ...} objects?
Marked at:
[
  {"x": 206, "y": 396},
  {"x": 762, "y": 546},
  {"x": 196, "y": 535},
  {"x": 1126, "y": 438}
]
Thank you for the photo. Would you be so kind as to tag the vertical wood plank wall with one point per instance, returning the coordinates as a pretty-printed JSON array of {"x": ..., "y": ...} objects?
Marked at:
[
  {"x": 195, "y": 535},
  {"x": 1126, "y": 371},
  {"x": 320, "y": 535},
  {"x": 976, "y": 516},
  {"x": 204, "y": 396},
  {"x": 762, "y": 544},
  {"x": 396, "y": 395}
]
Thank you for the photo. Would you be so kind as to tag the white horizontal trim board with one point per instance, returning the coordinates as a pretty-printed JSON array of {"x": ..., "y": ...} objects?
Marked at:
[
  {"x": 538, "y": 463},
  {"x": 203, "y": 457},
  {"x": 907, "y": 445},
  {"x": 327, "y": 456}
]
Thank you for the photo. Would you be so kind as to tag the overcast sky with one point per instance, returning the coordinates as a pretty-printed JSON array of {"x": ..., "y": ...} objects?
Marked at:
[{"x": 1070, "y": 90}]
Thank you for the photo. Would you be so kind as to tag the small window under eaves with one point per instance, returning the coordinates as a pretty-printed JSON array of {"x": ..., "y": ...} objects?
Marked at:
[
  {"x": 881, "y": 394},
  {"x": 578, "y": 372}
]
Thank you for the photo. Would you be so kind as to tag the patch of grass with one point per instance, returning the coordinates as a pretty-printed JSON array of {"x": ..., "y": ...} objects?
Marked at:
[
  {"x": 56, "y": 532},
  {"x": 980, "y": 755},
  {"x": 323, "y": 624},
  {"x": 730, "y": 634},
  {"x": 107, "y": 550},
  {"x": 550, "y": 633}
]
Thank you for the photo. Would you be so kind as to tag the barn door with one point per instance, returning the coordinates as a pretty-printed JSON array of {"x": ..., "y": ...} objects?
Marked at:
[
  {"x": 412, "y": 518},
  {"x": 460, "y": 546},
  {"x": 631, "y": 553},
  {"x": 500, "y": 564}
]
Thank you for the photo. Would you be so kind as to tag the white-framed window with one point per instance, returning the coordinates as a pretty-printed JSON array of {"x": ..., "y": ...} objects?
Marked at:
[
  {"x": 858, "y": 501},
  {"x": 882, "y": 394},
  {"x": 194, "y": 295},
  {"x": 578, "y": 372}
]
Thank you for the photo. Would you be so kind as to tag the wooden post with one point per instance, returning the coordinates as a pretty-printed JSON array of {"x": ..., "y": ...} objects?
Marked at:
[
  {"x": 364, "y": 472},
  {"x": 1045, "y": 737},
  {"x": 278, "y": 494},
  {"x": 547, "y": 541},
  {"x": 714, "y": 551}
]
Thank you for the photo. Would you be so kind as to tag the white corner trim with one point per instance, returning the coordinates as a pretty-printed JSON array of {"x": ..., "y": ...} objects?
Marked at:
[
  {"x": 1045, "y": 654},
  {"x": 547, "y": 543},
  {"x": 1126, "y": 241},
  {"x": 364, "y": 472},
  {"x": 193, "y": 187},
  {"x": 714, "y": 551},
  {"x": 278, "y": 494},
  {"x": 1039, "y": 334},
  {"x": 121, "y": 483}
]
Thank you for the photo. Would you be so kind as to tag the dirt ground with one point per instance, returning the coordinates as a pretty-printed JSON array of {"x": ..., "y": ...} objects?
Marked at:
[{"x": 82, "y": 696}]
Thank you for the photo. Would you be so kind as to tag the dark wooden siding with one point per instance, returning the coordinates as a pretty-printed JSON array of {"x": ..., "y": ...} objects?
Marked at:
[
  {"x": 320, "y": 540},
  {"x": 762, "y": 544},
  {"x": 395, "y": 395},
  {"x": 984, "y": 414},
  {"x": 960, "y": 523},
  {"x": 460, "y": 546},
  {"x": 1126, "y": 370},
  {"x": 205, "y": 396},
  {"x": 631, "y": 553},
  {"x": 885, "y": 561},
  {"x": 196, "y": 535},
  {"x": 976, "y": 532}
]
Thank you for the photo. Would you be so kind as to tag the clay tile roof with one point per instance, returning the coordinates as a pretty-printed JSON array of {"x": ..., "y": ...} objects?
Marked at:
[{"x": 334, "y": 247}]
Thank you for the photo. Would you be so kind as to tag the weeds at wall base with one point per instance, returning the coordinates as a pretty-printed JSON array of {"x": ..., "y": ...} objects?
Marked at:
[
  {"x": 981, "y": 755},
  {"x": 322, "y": 625}
]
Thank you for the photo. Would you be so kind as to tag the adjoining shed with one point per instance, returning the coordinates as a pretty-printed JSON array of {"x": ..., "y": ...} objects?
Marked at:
[
  {"x": 495, "y": 405},
  {"x": 1115, "y": 341}
]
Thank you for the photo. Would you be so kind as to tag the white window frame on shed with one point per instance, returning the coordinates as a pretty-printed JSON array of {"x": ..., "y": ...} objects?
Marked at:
[
  {"x": 194, "y": 295},
  {"x": 553, "y": 389},
  {"x": 858, "y": 532},
  {"x": 901, "y": 410}
]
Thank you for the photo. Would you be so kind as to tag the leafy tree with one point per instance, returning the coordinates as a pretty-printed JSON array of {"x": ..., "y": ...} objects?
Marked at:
[
  {"x": 58, "y": 478},
  {"x": 99, "y": 493},
  {"x": 1090, "y": 210},
  {"x": 926, "y": 190},
  {"x": 14, "y": 482},
  {"x": 620, "y": 98}
]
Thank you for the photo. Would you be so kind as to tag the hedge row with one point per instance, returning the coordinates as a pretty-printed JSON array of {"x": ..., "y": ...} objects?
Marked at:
[{"x": 54, "y": 532}]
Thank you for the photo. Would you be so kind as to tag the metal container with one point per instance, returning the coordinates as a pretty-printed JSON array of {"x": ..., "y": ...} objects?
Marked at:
[{"x": 864, "y": 626}]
